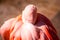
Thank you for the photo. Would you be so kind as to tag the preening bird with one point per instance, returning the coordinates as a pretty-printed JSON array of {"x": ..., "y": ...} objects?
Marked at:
[{"x": 28, "y": 26}]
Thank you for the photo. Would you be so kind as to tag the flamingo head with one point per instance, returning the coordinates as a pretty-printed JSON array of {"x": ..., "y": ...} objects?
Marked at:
[{"x": 29, "y": 14}]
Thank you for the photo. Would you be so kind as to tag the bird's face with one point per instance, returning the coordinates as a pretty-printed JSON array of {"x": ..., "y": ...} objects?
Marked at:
[{"x": 29, "y": 14}]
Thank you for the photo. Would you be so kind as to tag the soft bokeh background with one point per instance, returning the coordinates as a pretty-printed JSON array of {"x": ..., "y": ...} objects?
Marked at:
[{"x": 49, "y": 8}]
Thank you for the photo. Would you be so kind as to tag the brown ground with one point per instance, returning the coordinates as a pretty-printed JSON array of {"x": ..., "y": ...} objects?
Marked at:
[{"x": 49, "y": 8}]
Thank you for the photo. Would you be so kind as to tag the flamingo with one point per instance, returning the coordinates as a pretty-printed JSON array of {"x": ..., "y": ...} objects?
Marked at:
[{"x": 30, "y": 26}]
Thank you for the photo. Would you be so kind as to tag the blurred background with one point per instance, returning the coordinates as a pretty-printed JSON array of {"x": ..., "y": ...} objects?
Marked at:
[{"x": 49, "y": 8}]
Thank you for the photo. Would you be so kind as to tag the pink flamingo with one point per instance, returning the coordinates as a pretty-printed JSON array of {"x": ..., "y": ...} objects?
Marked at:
[{"x": 30, "y": 26}]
